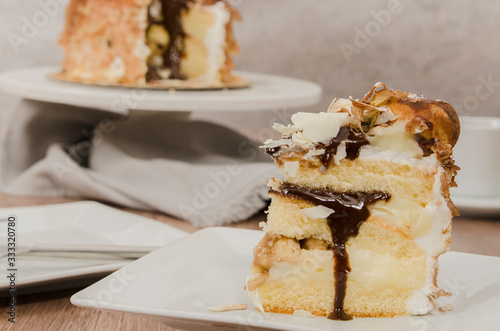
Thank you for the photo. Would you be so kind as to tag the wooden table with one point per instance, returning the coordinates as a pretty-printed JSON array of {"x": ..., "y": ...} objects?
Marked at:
[{"x": 53, "y": 311}]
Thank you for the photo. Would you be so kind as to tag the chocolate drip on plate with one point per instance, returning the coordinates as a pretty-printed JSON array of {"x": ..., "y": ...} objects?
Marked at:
[
  {"x": 353, "y": 143},
  {"x": 350, "y": 213}
]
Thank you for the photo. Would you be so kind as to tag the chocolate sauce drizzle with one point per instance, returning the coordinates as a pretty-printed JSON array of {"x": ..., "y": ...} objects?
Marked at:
[
  {"x": 172, "y": 22},
  {"x": 350, "y": 213},
  {"x": 425, "y": 144},
  {"x": 353, "y": 143},
  {"x": 272, "y": 150},
  {"x": 172, "y": 54},
  {"x": 152, "y": 74}
]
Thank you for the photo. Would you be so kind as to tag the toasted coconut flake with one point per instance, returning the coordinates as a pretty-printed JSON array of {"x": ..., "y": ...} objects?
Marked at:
[
  {"x": 274, "y": 184},
  {"x": 376, "y": 88},
  {"x": 417, "y": 125},
  {"x": 285, "y": 130},
  {"x": 340, "y": 106},
  {"x": 380, "y": 95},
  {"x": 370, "y": 115},
  {"x": 269, "y": 143},
  {"x": 446, "y": 308},
  {"x": 228, "y": 307}
]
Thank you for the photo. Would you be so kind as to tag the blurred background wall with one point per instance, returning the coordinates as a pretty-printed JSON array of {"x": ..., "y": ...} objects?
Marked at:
[{"x": 447, "y": 49}]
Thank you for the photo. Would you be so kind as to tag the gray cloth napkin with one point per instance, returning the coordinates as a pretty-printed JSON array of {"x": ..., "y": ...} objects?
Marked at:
[{"x": 198, "y": 171}]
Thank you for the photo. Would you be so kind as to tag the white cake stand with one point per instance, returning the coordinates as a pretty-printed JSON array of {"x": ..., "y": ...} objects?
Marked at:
[{"x": 267, "y": 92}]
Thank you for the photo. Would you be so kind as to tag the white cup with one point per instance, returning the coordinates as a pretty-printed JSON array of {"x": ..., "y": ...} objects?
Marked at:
[{"x": 477, "y": 153}]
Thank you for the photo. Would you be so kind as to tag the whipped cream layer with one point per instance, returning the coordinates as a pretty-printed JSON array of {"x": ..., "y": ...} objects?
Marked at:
[{"x": 215, "y": 41}]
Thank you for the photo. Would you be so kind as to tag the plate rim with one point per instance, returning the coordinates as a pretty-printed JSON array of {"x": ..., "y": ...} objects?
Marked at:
[
  {"x": 103, "y": 97},
  {"x": 85, "y": 271},
  {"x": 489, "y": 205},
  {"x": 207, "y": 317}
]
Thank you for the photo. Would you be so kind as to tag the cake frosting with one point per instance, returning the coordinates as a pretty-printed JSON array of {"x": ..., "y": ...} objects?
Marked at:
[
  {"x": 366, "y": 195},
  {"x": 215, "y": 41}
]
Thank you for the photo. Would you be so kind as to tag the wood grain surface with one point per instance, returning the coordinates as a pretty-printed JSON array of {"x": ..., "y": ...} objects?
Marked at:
[{"x": 53, "y": 311}]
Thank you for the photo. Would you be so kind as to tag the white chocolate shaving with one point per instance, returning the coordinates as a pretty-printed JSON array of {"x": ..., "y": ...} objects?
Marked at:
[
  {"x": 341, "y": 153},
  {"x": 338, "y": 104},
  {"x": 317, "y": 212},
  {"x": 269, "y": 143},
  {"x": 301, "y": 139},
  {"x": 291, "y": 168},
  {"x": 314, "y": 152},
  {"x": 285, "y": 130},
  {"x": 319, "y": 127}
]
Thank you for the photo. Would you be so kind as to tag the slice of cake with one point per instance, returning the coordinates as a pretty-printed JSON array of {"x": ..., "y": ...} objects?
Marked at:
[
  {"x": 357, "y": 225},
  {"x": 169, "y": 43}
]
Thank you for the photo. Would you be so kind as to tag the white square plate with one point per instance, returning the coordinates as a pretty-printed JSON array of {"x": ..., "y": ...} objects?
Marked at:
[
  {"x": 179, "y": 281},
  {"x": 78, "y": 223}
]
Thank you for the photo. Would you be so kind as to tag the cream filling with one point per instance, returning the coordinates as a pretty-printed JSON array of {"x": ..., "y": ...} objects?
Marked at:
[
  {"x": 434, "y": 244},
  {"x": 419, "y": 303},
  {"x": 313, "y": 265},
  {"x": 394, "y": 138},
  {"x": 369, "y": 270},
  {"x": 215, "y": 41},
  {"x": 254, "y": 296},
  {"x": 428, "y": 225}
]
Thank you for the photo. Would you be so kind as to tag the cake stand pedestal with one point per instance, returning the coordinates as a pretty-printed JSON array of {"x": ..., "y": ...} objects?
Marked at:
[{"x": 267, "y": 92}]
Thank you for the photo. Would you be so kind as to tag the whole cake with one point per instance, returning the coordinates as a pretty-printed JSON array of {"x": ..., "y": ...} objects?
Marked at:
[
  {"x": 163, "y": 43},
  {"x": 357, "y": 225}
]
